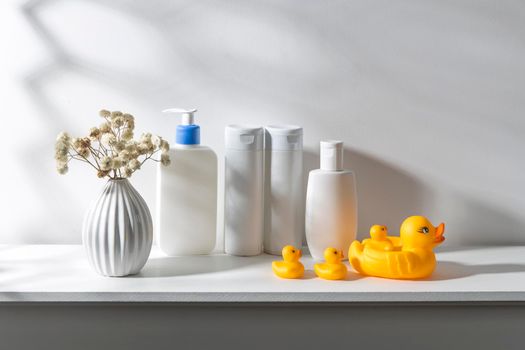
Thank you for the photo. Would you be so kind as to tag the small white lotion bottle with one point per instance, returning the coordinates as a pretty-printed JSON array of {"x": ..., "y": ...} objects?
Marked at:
[
  {"x": 283, "y": 188},
  {"x": 331, "y": 203},
  {"x": 187, "y": 193},
  {"x": 243, "y": 190}
]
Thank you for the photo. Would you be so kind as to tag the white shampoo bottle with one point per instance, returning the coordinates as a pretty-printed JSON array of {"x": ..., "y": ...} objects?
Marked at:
[
  {"x": 331, "y": 203},
  {"x": 187, "y": 193},
  {"x": 283, "y": 188},
  {"x": 243, "y": 190}
]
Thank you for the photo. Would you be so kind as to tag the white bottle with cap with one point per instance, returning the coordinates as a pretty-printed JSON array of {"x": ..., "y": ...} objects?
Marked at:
[
  {"x": 283, "y": 189},
  {"x": 243, "y": 190},
  {"x": 331, "y": 203},
  {"x": 187, "y": 193}
]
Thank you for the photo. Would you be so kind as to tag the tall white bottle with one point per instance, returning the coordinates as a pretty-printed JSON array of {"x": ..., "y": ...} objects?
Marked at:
[
  {"x": 187, "y": 193},
  {"x": 283, "y": 184},
  {"x": 243, "y": 191},
  {"x": 331, "y": 203}
]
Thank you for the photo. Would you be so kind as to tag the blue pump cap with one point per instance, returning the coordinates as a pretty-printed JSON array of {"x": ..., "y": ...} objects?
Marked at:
[{"x": 188, "y": 133}]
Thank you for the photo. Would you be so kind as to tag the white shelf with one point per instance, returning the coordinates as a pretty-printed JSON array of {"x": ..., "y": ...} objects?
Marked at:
[{"x": 60, "y": 273}]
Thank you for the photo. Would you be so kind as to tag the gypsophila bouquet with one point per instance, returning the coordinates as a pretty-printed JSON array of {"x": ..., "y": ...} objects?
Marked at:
[{"x": 110, "y": 148}]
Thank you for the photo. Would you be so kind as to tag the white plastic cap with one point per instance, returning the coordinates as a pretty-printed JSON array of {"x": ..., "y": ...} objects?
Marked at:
[
  {"x": 283, "y": 138},
  {"x": 187, "y": 115},
  {"x": 244, "y": 137},
  {"x": 332, "y": 155}
]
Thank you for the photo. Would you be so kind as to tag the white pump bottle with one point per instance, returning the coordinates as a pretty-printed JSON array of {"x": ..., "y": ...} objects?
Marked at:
[
  {"x": 331, "y": 203},
  {"x": 187, "y": 193}
]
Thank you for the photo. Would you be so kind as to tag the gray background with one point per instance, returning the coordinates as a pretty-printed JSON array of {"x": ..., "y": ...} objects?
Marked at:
[{"x": 428, "y": 97}]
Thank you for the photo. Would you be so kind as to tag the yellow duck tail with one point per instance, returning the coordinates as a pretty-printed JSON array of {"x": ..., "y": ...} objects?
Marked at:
[{"x": 355, "y": 256}]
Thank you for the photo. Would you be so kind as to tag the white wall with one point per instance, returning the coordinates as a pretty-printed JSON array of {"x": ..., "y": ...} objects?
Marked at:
[{"x": 429, "y": 97}]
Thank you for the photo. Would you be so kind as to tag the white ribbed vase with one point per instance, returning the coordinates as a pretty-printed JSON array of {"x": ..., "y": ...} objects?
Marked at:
[{"x": 118, "y": 230}]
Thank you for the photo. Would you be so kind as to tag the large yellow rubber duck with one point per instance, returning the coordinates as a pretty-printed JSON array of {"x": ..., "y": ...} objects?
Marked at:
[
  {"x": 333, "y": 268},
  {"x": 290, "y": 267},
  {"x": 409, "y": 256}
]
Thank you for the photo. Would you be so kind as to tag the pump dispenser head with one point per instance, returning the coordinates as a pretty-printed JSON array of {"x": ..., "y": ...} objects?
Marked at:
[
  {"x": 332, "y": 155},
  {"x": 188, "y": 133}
]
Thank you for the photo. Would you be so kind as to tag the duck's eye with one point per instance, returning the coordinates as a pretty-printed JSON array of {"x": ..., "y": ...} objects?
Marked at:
[
  {"x": 293, "y": 251},
  {"x": 382, "y": 228},
  {"x": 423, "y": 229},
  {"x": 335, "y": 253}
]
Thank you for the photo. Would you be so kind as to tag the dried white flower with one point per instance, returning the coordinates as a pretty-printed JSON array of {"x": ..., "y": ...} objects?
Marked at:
[
  {"x": 134, "y": 164},
  {"x": 94, "y": 133},
  {"x": 144, "y": 147},
  {"x": 104, "y": 113},
  {"x": 146, "y": 137},
  {"x": 76, "y": 143},
  {"x": 131, "y": 145},
  {"x": 61, "y": 147},
  {"x": 127, "y": 134},
  {"x": 105, "y": 127},
  {"x": 116, "y": 114},
  {"x": 84, "y": 142},
  {"x": 63, "y": 137},
  {"x": 105, "y": 163},
  {"x": 126, "y": 171},
  {"x": 165, "y": 159},
  {"x": 151, "y": 148},
  {"x": 132, "y": 148},
  {"x": 117, "y": 122},
  {"x": 116, "y": 163},
  {"x": 62, "y": 168},
  {"x": 102, "y": 173},
  {"x": 110, "y": 148},
  {"x": 130, "y": 120},
  {"x": 108, "y": 140},
  {"x": 135, "y": 154},
  {"x": 61, "y": 156},
  {"x": 164, "y": 146},
  {"x": 120, "y": 145},
  {"x": 125, "y": 155},
  {"x": 156, "y": 140},
  {"x": 83, "y": 152}
]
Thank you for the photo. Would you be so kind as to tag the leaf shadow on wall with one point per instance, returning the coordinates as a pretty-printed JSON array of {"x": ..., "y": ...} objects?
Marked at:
[{"x": 386, "y": 194}]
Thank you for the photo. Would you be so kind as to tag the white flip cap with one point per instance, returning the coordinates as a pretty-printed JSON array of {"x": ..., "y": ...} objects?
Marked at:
[
  {"x": 332, "y": 155},
  {"x": 244, "y": 137},
  {"x": 283, "y": 138}
]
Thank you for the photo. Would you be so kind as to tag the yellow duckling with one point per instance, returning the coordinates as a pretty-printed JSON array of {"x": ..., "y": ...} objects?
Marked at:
[
  {"x": 290, "y": 267},
  {"x": 411, "y": 258},
  {"x": 379, "y": 239},
  {"x": 333, "y": 268}
]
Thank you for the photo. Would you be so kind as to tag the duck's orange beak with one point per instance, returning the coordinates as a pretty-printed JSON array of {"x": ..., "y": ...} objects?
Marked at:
[
  {"x": 440, "y": 231},
  {"x": 300, "y": 253},
  {"x": 342, "y": 254}
]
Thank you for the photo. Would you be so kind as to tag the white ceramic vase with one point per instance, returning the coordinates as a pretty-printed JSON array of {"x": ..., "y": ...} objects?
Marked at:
[{"x": 118, "y": 230}]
